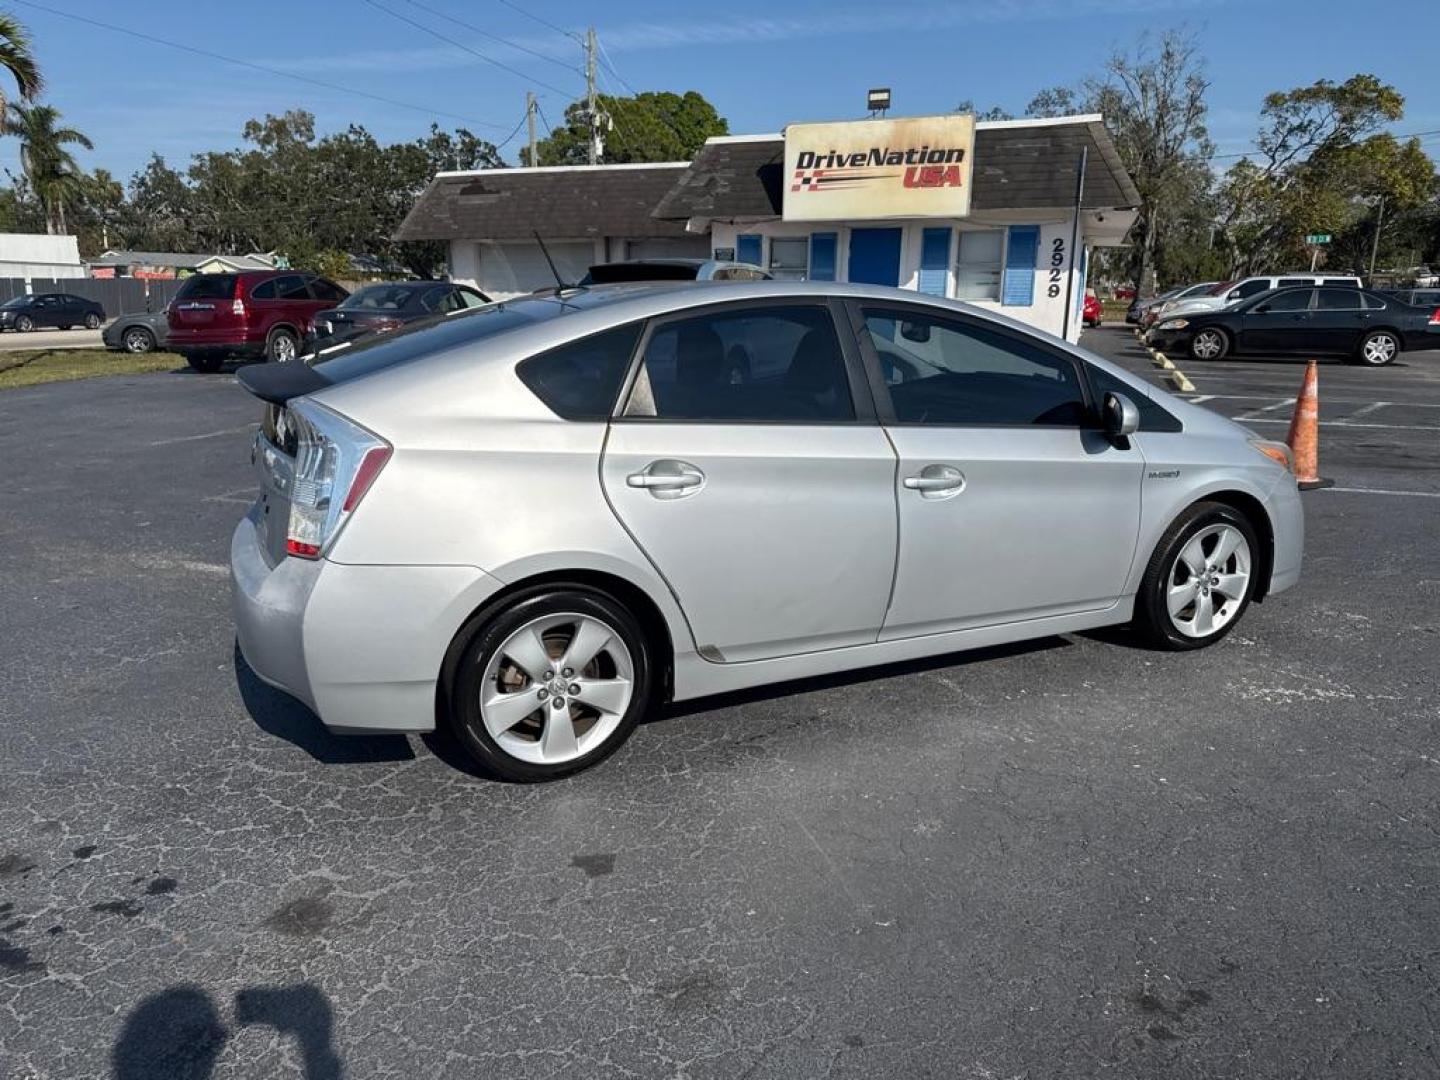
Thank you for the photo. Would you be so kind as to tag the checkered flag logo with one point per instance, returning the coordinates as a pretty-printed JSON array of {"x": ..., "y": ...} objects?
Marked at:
[{"x": 807, "y": 180}]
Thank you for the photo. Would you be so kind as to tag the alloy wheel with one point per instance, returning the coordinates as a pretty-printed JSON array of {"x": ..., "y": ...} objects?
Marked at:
[
  {"x": 557, "y": 688},
  {"x": 137, "y": 340},
  {"x": 1208, "y": 581},
  {"x": 1208, "y": 345},
  {"x": 1380, "y": 349}
]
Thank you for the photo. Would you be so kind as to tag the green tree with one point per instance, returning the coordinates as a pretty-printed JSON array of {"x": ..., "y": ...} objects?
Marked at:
[
  {"x": 1323, "y": 164},
  {"x": 651, "y": 126},
  {"x": 16, "y": 58},
  {"x": 49, "y": 166}
]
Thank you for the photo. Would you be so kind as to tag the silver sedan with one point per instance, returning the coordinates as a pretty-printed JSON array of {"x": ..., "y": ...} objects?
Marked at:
[{"x": 537, "y": 520}]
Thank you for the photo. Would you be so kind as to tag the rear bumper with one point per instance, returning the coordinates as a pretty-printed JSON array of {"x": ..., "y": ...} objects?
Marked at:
[
  {"x": 362, "y": 646},
  {"x": 182, "y": 340}
]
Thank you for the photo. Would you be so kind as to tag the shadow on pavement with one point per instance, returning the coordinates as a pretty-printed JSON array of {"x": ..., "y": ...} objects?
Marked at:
[
  {"x": 177, "y": 1034},
  {"x": 277, "y": 713}
]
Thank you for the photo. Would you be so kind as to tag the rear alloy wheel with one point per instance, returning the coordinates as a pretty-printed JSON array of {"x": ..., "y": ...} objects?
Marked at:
[
  {"x": 551, "y": 684},
  {"x": 92, "y": 321},
  {"x": 1379, "y": 348},
  {"x": 1209, "y": 344},
  {"x": 282, "y": 347},
  {"x": 1200, "y": 578},
  {"x": 24, "y": 324},
  {"x": 138, "y": 340}
]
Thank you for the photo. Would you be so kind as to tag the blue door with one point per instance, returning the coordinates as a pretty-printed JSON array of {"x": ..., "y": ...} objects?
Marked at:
[{"x": 875, "y": 256}]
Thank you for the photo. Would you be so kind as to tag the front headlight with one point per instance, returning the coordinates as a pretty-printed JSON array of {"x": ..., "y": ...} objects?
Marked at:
[{"x": 1174, "y": 324}]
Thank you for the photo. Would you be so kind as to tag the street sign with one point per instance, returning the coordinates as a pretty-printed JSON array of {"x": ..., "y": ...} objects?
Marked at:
[{"x": 1318, "y": 238}]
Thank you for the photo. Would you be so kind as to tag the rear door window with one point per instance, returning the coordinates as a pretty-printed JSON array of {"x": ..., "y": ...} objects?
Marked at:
[
  {"x": 292, "y": 287},
  {"x": 327, "y": 291},
  {"x": 778, "y": 364},
  {"x": 1339, "y": 300},
  {"x": 1292, "y": 300}
]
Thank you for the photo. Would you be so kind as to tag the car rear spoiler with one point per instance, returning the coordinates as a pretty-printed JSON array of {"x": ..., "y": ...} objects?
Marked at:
[{"x": 278, "y": 383}]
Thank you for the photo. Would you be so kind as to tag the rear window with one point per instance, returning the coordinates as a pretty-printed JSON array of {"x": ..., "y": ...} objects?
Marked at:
[
  {"x": 381, "y": 298},
  {"x": 429, "y": 337},
  {"x": 208, "y": 287},
  {"x": 580, "y": 380}
]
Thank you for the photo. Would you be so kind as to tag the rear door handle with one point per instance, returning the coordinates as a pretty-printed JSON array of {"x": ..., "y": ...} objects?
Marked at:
[
  {"x": 936, "y": 482},
  {"x": 668, "y": 479}
]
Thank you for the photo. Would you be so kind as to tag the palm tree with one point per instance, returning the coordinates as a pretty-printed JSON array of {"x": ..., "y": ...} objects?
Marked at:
[
  {"x": 52, "y": 171},
  {"x": 15, "y": 58}
]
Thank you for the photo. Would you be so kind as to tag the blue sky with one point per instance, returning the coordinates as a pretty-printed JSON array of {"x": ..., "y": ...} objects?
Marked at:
[{"x": 761, "y": 63}]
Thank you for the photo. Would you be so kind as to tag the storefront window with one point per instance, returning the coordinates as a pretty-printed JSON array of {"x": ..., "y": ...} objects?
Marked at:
[
  {"x": 789, "y": 257},
  {"x": 977, "y": 265}
]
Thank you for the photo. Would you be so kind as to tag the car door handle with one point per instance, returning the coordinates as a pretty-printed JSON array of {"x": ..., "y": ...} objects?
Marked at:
[
  {"x": 936, "y": 482},
  {"x": 667, "y": 479}
]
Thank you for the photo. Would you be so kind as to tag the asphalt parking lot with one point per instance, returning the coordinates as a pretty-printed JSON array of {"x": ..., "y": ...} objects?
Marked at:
[{"x": 1070, "y": 858}]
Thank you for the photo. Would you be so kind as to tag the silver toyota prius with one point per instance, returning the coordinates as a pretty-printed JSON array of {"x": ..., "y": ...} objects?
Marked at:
[{"x": 533, "y": 521}]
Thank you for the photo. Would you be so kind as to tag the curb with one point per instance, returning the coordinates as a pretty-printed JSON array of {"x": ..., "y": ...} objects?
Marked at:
[{"x": 1176, "y": 376}]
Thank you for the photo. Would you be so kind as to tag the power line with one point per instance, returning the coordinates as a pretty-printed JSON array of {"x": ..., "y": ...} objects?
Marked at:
[
  {"x": 112, "y": 28},
  {"x": 605, "y": 59},
  {"x": 494, "y": 37},
  {"x": 543, "y": 22},
  {"x": 466, "y": 48},
  {"x": 1421, "y": 135}
]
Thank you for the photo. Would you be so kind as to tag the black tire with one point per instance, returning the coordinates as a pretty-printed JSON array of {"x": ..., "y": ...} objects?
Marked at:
[
  {"x": 1211, "y": 333},
  {"x": 490, "y": 629},
  {"x": 24, "y": 324},
  {"x": 1152, "y": 616},
  {"x": 137, "y": 339},
  {"x": 282, "y": 346},
  {"x": 1369, "y": 355},
  {"x": 207, "y": 363},
  {"x": 65, "y": 326},
  {"x": 92, "y": 321}
]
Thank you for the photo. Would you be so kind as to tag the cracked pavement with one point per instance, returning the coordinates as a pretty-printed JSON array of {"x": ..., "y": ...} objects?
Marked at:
[{"x": 1069, "y": 858}]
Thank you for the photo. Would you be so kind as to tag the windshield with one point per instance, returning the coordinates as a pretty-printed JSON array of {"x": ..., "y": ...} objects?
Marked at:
[{"x": 380, "y": 298}]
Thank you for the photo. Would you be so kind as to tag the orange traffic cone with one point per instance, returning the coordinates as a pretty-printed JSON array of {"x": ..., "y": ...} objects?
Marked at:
[{"x": 1304, "y": 436}]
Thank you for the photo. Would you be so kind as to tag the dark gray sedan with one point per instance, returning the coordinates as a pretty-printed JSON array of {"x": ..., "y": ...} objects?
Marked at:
[{"x": 140, "y": 333}]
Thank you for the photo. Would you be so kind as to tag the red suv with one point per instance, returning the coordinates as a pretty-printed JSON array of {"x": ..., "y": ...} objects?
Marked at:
[{"x": 260, "y": 314}]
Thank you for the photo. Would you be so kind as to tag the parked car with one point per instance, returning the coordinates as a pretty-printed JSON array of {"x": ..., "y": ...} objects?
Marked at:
[
  {"x": 140, "y": 333},
  {"x": 1123, "y": 292},
  {"x": 62, "y": 310},
  {"x": 539, "y": 519},
  {"x": 673, "y": 270},
  {"x": 381, "y": 308},
  {"x": 255, "y": 314},
  {"x": 1135, "y": 313},
  {"x": 1363, "y": 326},
  {"x": 1093, "y": 313},
  {"x": 1230, "y": 292}
]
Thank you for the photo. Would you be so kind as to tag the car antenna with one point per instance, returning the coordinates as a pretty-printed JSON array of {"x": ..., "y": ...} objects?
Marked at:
[{"x": 560, "y": 283}]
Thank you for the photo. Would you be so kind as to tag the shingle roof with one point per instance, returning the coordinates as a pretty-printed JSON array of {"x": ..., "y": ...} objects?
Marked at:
[
  {"x": 1019, "y": 166},
  {"x": 181, "y": 260},
  {"x": 559, "y": 203}
]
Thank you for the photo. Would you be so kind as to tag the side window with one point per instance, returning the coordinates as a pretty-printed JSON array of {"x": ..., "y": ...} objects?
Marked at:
[
  {"x": 1337, "y": 281},
  {"x": 1284, "y": 281},
  {"x": 469, "y": 298},
  {"x": 1293, "y": 300},
  {"x": 1339, "y": 300},
  {"x": 1249, "y": 288},
  {"x": 778, "y": 364},
  {"x": 950, "y": 372},
  {"x": 292, "y": 287},
  {"x": 1153, "y": 415},
  {"x": 1375, "y": 303},
  {"x": 265, "y": 290},
  {"x": 441, "y": 298},
  {"x": 580, "y": 380},
  {"x": 327, "y": 290}
]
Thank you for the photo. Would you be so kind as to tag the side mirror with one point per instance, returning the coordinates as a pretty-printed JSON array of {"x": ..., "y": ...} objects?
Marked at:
[
  {"x": 1121, "y": 416},
  {"x": 1263, "y": 309}
]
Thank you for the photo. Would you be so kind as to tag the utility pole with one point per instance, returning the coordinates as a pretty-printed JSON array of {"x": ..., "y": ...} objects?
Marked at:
[
  {"x": 593, "y": 115},
  {"x": 530, "y": 123},
  {"x": 1375, "y": 241}
]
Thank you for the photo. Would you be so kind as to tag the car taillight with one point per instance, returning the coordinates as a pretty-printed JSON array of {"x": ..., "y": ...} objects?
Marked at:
[
  {"x": 237, "y": 307},
  {"x": 1435, "y": 317},
  {"x": 336, "y": 462}
]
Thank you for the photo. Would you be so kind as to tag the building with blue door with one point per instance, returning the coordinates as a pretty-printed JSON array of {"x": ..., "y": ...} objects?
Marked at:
[{"x": 982, "y": 212}]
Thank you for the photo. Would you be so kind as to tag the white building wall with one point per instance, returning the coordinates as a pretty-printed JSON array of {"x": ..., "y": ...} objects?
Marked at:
[
  {"x": 27, "y": 255},
  {"x": 1045, "y": 312}
]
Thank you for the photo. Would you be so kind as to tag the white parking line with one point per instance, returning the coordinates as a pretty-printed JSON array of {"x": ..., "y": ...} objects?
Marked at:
[
  {"x": 207, "y": 435},
  {"x": 1384, "y": 491},
  {"x": 1341, "y": 423},
  {"x": 1366, "y": 410},
  {"x": 1256, "y": 413},
  {"x": 1326, "y": 400}
]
